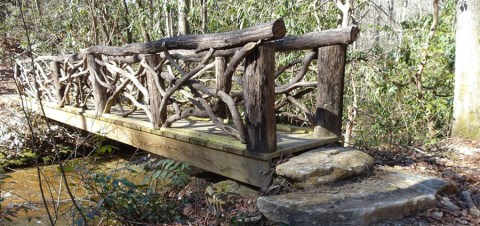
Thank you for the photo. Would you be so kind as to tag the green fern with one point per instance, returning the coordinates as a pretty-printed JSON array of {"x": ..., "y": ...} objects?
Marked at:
[{"x": 167, "y": 170}]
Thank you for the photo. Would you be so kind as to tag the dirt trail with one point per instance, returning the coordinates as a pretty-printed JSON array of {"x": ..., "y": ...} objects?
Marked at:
[{"x": 448, "y": 162}]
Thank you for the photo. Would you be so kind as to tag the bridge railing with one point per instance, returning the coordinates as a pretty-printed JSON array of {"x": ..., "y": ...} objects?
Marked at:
[{"x": 230, "y": 78}]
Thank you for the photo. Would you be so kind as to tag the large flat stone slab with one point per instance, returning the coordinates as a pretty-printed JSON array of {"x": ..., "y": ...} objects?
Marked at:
[
  {"x": 325, "y": 165},
  {"x": 388, "y": 195}
]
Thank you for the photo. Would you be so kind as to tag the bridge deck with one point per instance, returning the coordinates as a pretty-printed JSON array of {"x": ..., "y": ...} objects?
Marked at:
[{"x": 197, "y": 142}]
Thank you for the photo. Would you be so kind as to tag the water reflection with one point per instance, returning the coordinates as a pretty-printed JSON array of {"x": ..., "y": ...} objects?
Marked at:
[{"x": 21, "y": 191}]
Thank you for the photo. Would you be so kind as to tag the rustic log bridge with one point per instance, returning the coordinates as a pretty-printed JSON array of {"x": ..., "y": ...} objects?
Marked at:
[{"x": 160, "y": 90}]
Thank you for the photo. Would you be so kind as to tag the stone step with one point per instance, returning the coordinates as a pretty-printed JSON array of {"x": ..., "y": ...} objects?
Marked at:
[
  {"x": 389, "y": 194},
  {"x": 325, "y": 165}
]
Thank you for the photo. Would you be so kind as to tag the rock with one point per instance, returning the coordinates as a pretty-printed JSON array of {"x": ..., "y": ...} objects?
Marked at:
[
  {"x": 231, "y": 186},
  {"x": 437, "y": 215},
  {"x": 389, "y": 194},
  {"x": 449, "y": 204},
  {"x": 325, "y": 165},
  {"x": 222, "y": 195}
]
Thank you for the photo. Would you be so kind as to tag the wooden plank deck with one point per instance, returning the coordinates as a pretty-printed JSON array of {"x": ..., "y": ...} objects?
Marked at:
[{"x": 197, "y": 142}]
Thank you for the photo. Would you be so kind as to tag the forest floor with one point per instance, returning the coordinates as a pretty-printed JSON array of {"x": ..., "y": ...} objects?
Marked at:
[
  {"x": 454, "y": 160},
  {"x": 7, "y": 84}
]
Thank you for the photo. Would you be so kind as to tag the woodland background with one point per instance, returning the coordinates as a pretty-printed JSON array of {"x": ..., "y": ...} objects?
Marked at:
[
  {"x": 399, "y": 78},
  {"x": 398, "y": 95}
]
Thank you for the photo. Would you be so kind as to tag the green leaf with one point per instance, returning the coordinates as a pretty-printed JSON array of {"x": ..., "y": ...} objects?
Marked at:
[
  {"x": 66, "y": 169},
  {"x": 157, "y": 174}
]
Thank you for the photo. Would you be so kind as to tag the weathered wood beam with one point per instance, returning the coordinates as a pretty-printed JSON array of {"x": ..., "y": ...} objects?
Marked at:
[
  {"x": 194, "y": 47},
  {"x": 158, "y": 115},
  {"x": 99, "y": 92},
  {"x": 259, "y": 99},
  {"x": 331, "y": 73},
  {"x": 59, "y": 87},
  {"x": 266, "y": 31},
  {"x": 222, "y": 83},
  {"x": 302, "y": 72},
  {"x": 313, "y": 40}
]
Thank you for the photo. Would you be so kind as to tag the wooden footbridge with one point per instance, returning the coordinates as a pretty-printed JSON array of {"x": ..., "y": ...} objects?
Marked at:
[{"x": 211, "y": 100}]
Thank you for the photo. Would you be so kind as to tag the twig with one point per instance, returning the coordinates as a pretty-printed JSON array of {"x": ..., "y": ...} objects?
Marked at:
[
  {"x": 30, "y": 127},
  {"x": 54, "y": 144}
]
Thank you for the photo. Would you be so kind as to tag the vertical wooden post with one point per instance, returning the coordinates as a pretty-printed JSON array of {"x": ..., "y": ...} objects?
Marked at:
[
  {"x": 99, "y": 92},
  {"x": 223, "y": 83},
  {"x": 331, "y": 73},
  {"x": 158, "y": 116},
  {"x": 259, "y": 98},
  {"x": 59, "y": 88}
]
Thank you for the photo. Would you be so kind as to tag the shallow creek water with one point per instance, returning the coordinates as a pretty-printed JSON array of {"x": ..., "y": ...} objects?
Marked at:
[{"x": 22, "y": 190}]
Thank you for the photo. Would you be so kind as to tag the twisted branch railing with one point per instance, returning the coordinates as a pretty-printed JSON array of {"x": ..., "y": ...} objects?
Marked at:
[{"x": 229, "y": 78}]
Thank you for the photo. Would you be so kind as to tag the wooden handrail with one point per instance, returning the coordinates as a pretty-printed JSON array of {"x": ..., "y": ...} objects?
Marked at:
[
  {"x": 313, "y": 40},
  {"x": 152, "y": 76},
  {"x": 266, "y": 31}
]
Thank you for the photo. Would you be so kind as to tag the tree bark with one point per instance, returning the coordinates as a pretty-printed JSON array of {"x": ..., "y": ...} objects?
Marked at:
[
  {"x": 259, "y": 98},
  {"x": 466, "y": 106},
  {"x": 331, "y": 72}
]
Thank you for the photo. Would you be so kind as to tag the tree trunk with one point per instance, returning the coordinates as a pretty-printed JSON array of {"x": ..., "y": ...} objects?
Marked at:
[
  {"x": 204, "y": 15},
  {"x": 466, "y": 106},
  {"x": 183, "y": 7},
  {"x": 146, "y": 36},
  {"x": 94, "y": 21},
  {"x": 166, "y": 15},
  {"x": 127, "y": 22},
  {"x": 39, "y": 8}
]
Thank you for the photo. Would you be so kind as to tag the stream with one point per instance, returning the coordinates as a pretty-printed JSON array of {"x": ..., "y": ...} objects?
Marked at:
[{"x": 21, "y": 191}]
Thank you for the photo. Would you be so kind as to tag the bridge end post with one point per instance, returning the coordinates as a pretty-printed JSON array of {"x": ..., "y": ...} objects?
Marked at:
[
  {"x": 259, "y": 98},
  {"x": 329, "y": 100}
]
